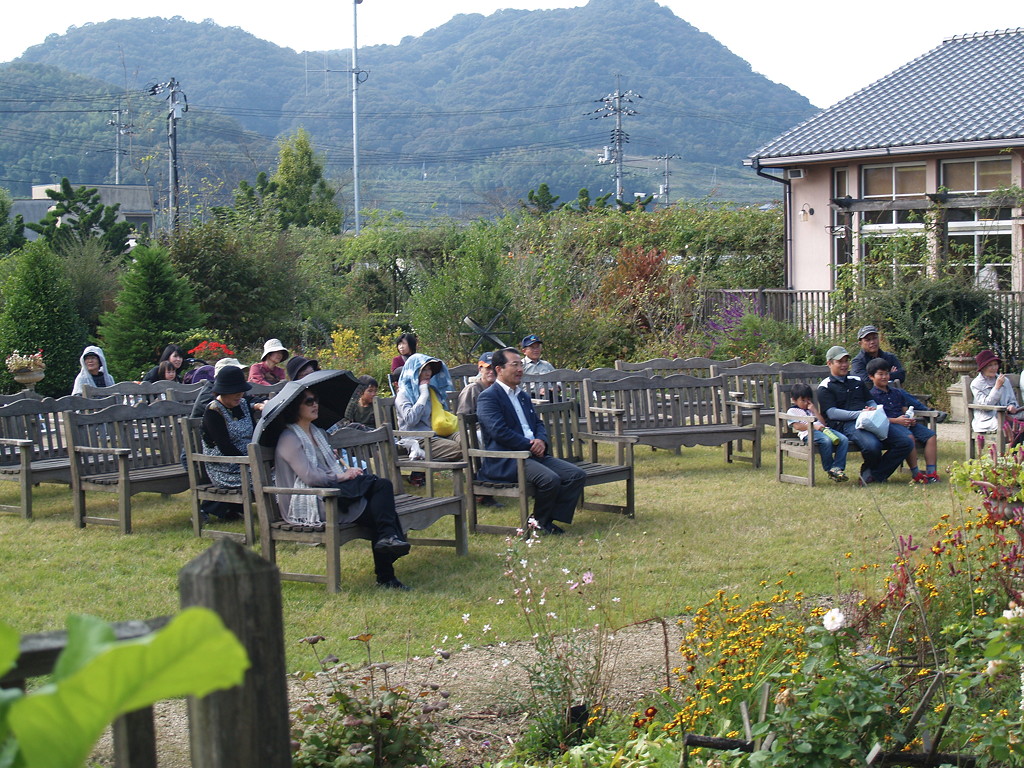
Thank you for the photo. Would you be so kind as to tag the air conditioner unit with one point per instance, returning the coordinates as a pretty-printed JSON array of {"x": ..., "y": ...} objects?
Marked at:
[{"x": 794, "y": 173}]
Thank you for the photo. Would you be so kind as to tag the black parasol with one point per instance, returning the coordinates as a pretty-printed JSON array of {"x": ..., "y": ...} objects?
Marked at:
[{"x": 334, "y": 388}]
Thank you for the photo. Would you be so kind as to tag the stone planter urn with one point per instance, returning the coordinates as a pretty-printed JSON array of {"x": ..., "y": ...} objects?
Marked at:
[
  {"x": 960, "y": 364},
  {"x": 28, "y": 378}
]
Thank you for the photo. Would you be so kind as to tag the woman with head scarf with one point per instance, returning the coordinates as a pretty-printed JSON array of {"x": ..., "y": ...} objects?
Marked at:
[
  {"x": 303, "y": 459},
  {"x": 94, "y": 371},
  {"x": 422, "y": 398}
]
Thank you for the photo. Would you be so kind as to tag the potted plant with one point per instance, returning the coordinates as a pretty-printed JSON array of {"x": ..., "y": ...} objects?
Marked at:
[
  {"x": 961, "y": 353},
  {"x": 27, "y": 369}
]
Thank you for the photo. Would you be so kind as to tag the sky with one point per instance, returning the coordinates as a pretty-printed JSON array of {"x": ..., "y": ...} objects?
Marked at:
[{"x": 824, "y": 51}]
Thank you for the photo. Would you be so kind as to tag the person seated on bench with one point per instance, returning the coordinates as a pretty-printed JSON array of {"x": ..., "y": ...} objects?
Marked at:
[
  {"x": 228, "y": 422},
  {"x": 990, "y": 387},
  {"x": 299, "y": 366},
  {"x": 359, "y": 413},
  {"x": 406, "y": 348},
  {"x": 471, "y": 392},
  {"x": 172, "y": 353},
  {"x": 268, "y": 370},
  {"x": 896, "y": 403},
  {"x": 868, "y": 338},
  {"x": 303, "y": 459},
  {"x": 94, "y": 371},
  {"x": 842, "y": 398},
  {"x": 510, "y": 423},
  {"x": 832, "y": 445},
  {"x": 421, "y": 405}
]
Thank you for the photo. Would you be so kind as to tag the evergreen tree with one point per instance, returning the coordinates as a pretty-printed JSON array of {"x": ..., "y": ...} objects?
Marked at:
[
  {"x": 12, "y": 231},
  {"x": 542, "y": 200},
  {"x": 154, "y": 304},
  {"x": 303, "y": 196},
  {"x": 39, "y": 313},
  {"x": 79, "y": 216}
]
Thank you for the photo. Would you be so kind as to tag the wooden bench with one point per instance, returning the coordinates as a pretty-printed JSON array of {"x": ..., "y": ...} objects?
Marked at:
[
  {"x": 752, "y": 383},
  {"x": 386, "y": 414},
  {"x": 565, "y": 442},
  {"x": 674, "y": 411},
  {"x": 133, "y": 393},
  {"x": 32, "y": 445},
  {"x": 125, "y": 450},
  {"x": 461, "y": 374},
  {"x": 201, "y": 488},
  {"x": 375, "y": 449},
  {"x": 972, "y": 438},
  {"x": 563, "y": 384},
  {"x": 663, "y": 366},
  {"x": 789, "y": 445}
]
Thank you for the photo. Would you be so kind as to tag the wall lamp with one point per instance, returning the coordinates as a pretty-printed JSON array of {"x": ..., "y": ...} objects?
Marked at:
[{"x": 806, "y": 212}]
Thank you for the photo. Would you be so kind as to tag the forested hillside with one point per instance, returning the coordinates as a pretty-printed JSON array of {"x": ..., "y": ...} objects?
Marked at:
[{"x": 463, "y": 120}]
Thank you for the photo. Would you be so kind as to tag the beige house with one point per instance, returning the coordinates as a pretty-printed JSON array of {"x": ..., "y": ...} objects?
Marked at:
[{"x": 934, "y": 150}]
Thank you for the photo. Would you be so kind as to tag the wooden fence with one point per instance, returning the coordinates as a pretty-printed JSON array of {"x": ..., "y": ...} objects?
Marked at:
[
  {"x": 239, "y": 727},
  {"x": 812, "y": 312}
]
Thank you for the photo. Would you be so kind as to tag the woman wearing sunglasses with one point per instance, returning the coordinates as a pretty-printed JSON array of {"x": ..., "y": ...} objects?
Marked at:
[{"x": 304, "y": 459}]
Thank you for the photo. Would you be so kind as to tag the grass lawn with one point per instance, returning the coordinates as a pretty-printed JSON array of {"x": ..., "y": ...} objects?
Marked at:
[{"x": 701, "y": 525}]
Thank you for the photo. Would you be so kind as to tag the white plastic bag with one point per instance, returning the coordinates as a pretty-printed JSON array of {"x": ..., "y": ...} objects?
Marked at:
[{"x": 875, "y": 422}]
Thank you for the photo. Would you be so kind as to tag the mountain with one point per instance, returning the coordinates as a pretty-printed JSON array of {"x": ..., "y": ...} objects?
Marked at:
[{"x": 470, "y": 115}]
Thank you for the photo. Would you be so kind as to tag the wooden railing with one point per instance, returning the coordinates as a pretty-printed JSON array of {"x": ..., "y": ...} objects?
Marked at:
[{"x": 242, "y": 726}]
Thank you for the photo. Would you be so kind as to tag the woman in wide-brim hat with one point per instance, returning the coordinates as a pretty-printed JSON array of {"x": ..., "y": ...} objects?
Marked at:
[
  {"x": 990, "y": 387},
  {"x": 268, "y": 370},
  {"x": 303, "y": 458},
  {"x": 228, "y": 424}
]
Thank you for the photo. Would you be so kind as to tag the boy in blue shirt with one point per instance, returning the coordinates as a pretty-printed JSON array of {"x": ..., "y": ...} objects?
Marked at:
[{"x": 894, "y": 403}]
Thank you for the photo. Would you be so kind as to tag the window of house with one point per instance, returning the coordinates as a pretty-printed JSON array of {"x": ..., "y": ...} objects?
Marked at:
[
  {"x": 892, "y": 242},
  {"x": 841, "y": 240},
  {"x": 976, "y": 175}
]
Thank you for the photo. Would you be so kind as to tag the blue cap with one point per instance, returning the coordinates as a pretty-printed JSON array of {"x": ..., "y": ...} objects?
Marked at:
[
  {"x": 486, "y": 358},
  {"x": 531, "y": 339}
]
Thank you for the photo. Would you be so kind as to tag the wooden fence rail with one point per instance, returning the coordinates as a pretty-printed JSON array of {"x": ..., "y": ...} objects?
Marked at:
[{"x": 239, "y": 727}]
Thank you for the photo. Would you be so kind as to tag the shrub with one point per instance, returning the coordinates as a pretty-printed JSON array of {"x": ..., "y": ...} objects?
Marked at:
[
  {"x": 153, "y": 305},
  {"x": 39, "y": 313}
]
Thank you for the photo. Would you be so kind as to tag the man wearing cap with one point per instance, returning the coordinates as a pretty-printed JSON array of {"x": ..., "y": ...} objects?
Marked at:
[
  {"x": 510, "y": 423},
  {"x": 869, "y": 350},
  {"x": 532, "y": 350},
  {"x": 841, "y": 399},
  {"x": 484, "y": 378}
]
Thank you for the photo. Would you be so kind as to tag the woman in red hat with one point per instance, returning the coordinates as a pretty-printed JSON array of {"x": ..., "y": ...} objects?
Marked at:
[{"x": 990, "y": 387}]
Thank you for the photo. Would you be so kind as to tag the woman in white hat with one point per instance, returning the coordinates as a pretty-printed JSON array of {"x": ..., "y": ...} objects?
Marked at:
[{"x": 269, "y": 370}]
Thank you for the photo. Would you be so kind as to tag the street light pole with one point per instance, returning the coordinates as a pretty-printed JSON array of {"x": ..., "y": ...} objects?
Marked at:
[{"x": 355, "y": 113}]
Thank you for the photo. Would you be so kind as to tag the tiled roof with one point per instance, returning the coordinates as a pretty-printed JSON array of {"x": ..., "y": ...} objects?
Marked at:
[{"x": 969, "y": 89}]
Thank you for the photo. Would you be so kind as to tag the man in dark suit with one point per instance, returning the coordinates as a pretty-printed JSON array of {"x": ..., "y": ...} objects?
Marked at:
[{"x": 510, "y": 423}]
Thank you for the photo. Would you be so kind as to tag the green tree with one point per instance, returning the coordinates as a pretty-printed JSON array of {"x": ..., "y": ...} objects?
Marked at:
[
  {"x": 39, "y": 313},
  {"x": 303, "y": 196},
  {"x": 78, "y": 216},
  {"x": 154, "y": 304},
  {"x": 12, "y": 231},
  {"x": 542, "y": 200}
]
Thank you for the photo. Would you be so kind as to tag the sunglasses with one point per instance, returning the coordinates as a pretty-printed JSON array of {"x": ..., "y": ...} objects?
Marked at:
[{"x": 311, "y": 400}]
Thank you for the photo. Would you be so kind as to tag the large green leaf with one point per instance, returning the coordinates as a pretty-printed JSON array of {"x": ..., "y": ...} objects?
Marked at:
[
  {"x": 88, "y": 636},
  {"x": 193, "y": 655},
  {"x": 9, "y": 647}
]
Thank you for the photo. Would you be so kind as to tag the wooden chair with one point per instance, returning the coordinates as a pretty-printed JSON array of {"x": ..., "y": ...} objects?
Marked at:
[
  {"x": 125, "y": 450},
  {"x": 375, "y": 449},
  {"x": 203, "y": 489},
  {"x": 461, "y": 374},
  {"x": 32, "y": 445},
  {"x": 975, "y": 441},
  {"x": 674, "y": 411},
  {"x": 663, "y": 366},
  {"x": 386, "y": 415},
  {"x": 565, "y": 442},
  {"x": 803, "y": 373}
]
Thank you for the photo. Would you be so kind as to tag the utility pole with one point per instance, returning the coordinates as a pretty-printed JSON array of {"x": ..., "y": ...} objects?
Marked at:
[
  {"x": 120, "y": 129},
  {"x": 358, "y": 76},
  {"x": 664, "y": 191},
  {"x": 613, "y": 106},
  {"x": 177, "y": 103}
]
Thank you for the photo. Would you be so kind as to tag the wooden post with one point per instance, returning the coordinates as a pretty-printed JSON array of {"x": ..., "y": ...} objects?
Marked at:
[{"x": 247, "y": 725}]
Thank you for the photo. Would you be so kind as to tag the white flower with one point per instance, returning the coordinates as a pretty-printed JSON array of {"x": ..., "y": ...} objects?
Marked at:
[
  {"x": 994, "y": 667},
  {"x": 834, "y": 620},
  {"x": 565, "y": 571},
  {"x": 1015, "y": 612},
  {"x": 522, "y": 562},
  {"x": 486, "y": 628},
  {"x": 465, "y": 618},
  {"x": 551, "y": 615},
  {"x": 506, "y": 662},
  {"x": 616, "y": 599},
  {"x": 500, "y": 602},
  {"x": 592, "y": 608}
]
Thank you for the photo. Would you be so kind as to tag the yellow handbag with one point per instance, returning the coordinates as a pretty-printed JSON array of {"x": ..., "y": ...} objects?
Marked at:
[{"x": 444, "y": 423}]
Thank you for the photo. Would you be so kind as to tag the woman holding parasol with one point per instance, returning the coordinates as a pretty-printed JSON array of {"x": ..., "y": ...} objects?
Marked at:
[{"x": 293, "y": 423}]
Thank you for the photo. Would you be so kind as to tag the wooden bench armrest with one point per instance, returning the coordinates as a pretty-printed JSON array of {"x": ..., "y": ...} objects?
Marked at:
[
  {"x": 744, "y": 404},
  {"x": 481, "y": 453},
  {"x": 323, "y": 493},
  {"x": 103, "y": 451},
  {"x": 609, "y": 411},
  {"x": 783, "y": 416},
  {"x": 422, "y": 464},
  {"x": 16, "y": 442},
  {"x": 415, "y": 434},
  {"x": 608, "y": 438},
  {"x": 220, "y": 459},
  {"x": 983, "y": 407}
]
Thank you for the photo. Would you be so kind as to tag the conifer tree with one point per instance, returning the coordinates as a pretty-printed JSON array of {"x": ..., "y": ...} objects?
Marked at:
[
  {"x": 154, "y": 304},
  {"x": 39, "y": 313}
]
